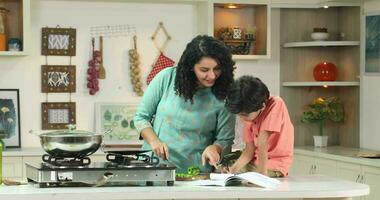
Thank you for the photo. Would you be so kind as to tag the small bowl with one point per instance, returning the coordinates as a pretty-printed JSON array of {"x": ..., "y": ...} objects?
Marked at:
[{"x": 319, "y": 36}]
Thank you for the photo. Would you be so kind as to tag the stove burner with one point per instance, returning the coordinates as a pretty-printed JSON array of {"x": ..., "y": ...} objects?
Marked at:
[
  {"x": 59, "y": 161},
  {"x": 138, "y": 159}
]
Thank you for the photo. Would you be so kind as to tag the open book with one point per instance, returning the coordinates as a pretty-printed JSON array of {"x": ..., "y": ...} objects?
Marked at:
[{"x": 237, "y": 179}]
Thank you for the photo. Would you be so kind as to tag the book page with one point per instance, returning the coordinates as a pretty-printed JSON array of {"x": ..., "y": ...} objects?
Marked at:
[
  {"x": 219, "y": 176},
  {"x": 259, "y": 179}
]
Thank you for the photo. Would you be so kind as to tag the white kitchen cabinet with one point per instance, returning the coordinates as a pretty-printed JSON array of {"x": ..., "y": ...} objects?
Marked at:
[
  {"x": 305, "y": 165},
  {"x": 302, "y": 165},
  {"x": 371, "y": 177},
  {"x": 12, "y": 167},
  {"x": 348, "y": 171}
]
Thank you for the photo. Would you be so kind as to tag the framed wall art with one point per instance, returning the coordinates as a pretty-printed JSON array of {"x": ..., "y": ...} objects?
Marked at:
[
  {"x": 117, "y": 117},
  {"x": 10, "y": 117},
  {"x": 58, "y": 115},
  {"x": 58, "y": 41},
  {"x": 58, "y": 78},
  {"x": 372, "y": 43}
]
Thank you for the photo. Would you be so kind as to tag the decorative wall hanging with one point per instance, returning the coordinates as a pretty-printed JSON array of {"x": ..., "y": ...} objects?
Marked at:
[
  {"x": 162, "y": 62},
  {"x": 58, "y": 41},
  {"x": 119, "y": 118},
  {"x": 58, "y": 115},
  {"x": 58, "y": 78},
  {"x": 134, "y": 69},
  {"x": 10, "y": 117}
]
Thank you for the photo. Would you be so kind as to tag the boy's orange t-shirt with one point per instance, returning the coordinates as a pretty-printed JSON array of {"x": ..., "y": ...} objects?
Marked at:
[{"x": 274, "y": 119}]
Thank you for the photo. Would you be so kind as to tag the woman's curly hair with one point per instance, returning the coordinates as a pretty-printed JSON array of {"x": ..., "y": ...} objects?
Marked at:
[{"x": 186, "y": 83}]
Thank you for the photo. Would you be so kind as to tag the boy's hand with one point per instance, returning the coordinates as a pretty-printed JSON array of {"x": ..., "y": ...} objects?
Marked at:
[
  {"x": 160, "y": 149},
  {"x": 211, "y": 154}
]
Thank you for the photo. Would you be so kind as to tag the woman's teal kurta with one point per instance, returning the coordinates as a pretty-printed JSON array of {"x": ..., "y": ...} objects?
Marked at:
[{"x": 186, "y": 128}]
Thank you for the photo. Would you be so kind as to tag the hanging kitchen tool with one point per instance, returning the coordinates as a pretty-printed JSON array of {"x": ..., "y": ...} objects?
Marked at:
[
  {"x": 102, "y": 70},
  {"x": 162, "y": 61},
  {"x": 134, "y": 69}
]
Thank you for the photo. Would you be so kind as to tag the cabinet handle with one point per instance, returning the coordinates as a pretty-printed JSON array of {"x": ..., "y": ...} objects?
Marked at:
[
  {"x": 357, "y": 178},
  {"x": 311, "y": 169},
  {"x": 315, "y": 169},
  {"x": 362, "y": 179}
]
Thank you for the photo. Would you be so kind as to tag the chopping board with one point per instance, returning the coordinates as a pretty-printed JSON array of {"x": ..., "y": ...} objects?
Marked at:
[{"x": 194, "y": 178}]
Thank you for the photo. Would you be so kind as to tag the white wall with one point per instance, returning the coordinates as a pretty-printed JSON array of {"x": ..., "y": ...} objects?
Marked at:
[
  {"x": 370, "y": 93},
  {"x": 180, "y": 20}
]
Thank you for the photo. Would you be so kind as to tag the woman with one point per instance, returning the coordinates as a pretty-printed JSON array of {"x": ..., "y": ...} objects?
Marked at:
[{"x": 182, "y": 117}]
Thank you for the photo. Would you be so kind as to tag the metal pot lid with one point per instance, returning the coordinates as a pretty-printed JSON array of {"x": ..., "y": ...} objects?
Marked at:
[{"x": 70, "y": 132}]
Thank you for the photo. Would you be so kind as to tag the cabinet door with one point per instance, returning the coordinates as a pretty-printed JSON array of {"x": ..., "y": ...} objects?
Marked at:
[
  {"x": 348, "y": 171},
  {"x": 325, "y": 166},
  {"x": 302, "y": 165},
  {"x": 12, "y": 167},
  {"x": 371, "y": 177}
]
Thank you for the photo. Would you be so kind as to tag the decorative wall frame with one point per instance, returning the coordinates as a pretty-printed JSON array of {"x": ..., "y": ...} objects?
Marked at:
[
  {"x": 10, "y": 117},
  {"x": 119, "y": 118},
  {"x": 372, "y": 43},
  {"x": 58, "y": 115},
  {"x": 58, "y": 41},
  {"x": 58, "y": 78}
]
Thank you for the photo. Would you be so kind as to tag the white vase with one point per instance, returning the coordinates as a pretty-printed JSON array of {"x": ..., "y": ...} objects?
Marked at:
[{"x": 320, "y": 141}]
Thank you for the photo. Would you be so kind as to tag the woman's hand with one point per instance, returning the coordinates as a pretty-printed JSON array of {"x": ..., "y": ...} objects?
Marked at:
[
  {"x": 160, "y": 149},
  {"x": 211, "y": 154}
]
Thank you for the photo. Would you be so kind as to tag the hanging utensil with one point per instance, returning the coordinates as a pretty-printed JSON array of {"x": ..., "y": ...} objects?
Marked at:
[{"x": 102, "y": 70}]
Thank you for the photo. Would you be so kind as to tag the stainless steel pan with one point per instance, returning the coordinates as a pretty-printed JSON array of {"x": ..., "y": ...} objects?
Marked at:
[{"x": 71, "y": 143}]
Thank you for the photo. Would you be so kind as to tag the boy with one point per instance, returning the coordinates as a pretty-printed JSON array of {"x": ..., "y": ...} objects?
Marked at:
[{"x": 268, "y": 131}]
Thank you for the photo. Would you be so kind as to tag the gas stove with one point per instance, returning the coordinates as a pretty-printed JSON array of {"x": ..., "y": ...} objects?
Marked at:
[{"x": 121, "y": 169}]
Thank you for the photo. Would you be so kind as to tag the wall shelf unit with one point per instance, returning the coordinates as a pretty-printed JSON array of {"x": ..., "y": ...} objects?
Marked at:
[
  {"x": 17, "y": 25},
  {"x": 298, "y": 59},
  {"x": 322, "y": 43},
  {"x": 321, "y": 84},
  {"x": 244, "y": 26}
]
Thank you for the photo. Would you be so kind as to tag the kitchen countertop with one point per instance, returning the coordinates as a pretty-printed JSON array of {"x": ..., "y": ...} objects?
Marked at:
[
  {"x": 341, "y": 154},
  {"x": 312, "y": 186}
]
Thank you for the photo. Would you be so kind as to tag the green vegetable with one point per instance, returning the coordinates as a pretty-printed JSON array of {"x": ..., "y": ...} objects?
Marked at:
[{"x": 191, "y": 172}]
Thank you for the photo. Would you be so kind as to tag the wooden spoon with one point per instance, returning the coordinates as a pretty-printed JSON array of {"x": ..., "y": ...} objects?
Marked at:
[{"x": 102, "y": 70}]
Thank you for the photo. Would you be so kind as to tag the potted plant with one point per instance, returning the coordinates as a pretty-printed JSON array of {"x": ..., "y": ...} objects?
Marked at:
[
  {"x": 320, "y": 110},
  {"x": 250, "y": 33}
]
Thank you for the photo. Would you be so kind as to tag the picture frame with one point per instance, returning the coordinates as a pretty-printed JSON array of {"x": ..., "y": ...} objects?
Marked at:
[
  {"x": 10, "y": 129},
  {"x": 372, "y": 43},
  {"x": 117, "y": 117},
  {"x": 58, "y": 41},
  {"x": 57, "y": 115},
  {"x": 58, "y": 78}
]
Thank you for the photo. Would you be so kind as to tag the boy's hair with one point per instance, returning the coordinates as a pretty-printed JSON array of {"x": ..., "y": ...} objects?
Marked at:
[
  {"x": 186, "y": 83},
  {"x": 247, "y": 94}
]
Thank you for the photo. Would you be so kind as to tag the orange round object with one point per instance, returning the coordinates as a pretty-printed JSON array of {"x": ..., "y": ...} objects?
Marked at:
[{"x": 325, "y": 71}]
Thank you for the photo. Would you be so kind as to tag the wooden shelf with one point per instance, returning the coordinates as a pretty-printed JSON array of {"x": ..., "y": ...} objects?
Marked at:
[
  {"x": 250, "y": 57},
  {"x": 322, "y": 43},
  {"x": 13, "y": 53},
  {"x": 249, "y": 15},
  {"x": 321, "y": 83}
]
